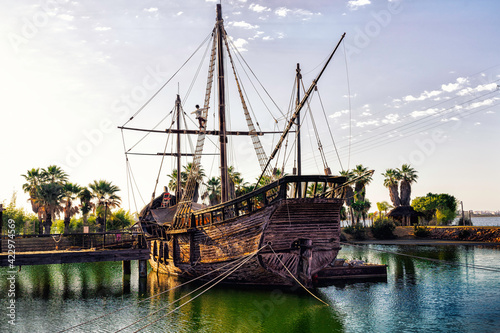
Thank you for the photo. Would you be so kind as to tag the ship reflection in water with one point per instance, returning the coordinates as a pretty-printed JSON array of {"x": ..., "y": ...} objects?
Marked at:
[{"x": 418, "y": 295}]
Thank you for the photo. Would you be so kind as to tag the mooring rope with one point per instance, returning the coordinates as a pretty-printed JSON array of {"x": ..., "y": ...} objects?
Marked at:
[
  {"x": 150, "y": 297},
  {"x": 296, "y": 280},
  {"x": 224, "y": 275}
]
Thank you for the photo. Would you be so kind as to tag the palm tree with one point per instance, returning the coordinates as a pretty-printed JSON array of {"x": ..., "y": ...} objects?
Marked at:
[
  {"x": 33, "y": 179},
  {"x": 105, "y": 194},
  {"x": 365, "y": 177},
  {"x": 213, "y": 189},
  {"x": 240, "y": 186},
  {"x": 54, "y": 174},
  {"x": 70, "y": 192},
  {"x": 408, "y": 175},
  {"x": 346, "y": 192},
  {"x": 172, "y": 184},
  {"x": 391, "y": 181},
  {"x": 49, "y": 196},
  {"x": 383, "y": 206},
  {"x": 86, "y": 204}
]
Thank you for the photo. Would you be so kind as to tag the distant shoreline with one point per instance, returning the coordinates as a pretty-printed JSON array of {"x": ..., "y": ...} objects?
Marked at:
[{"x": 438, "y": 235}]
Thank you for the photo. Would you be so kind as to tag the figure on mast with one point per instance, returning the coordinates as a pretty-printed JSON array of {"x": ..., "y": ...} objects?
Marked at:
[{"x": 199, "y": 116}]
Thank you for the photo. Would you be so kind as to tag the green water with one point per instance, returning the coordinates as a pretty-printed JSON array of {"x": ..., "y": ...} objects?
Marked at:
[{"x": 418, "y": 296}]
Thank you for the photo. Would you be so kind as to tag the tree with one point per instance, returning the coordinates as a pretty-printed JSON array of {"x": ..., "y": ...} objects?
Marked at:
[
  {"x": 407, "y": 176},
  {"x": 104, "y": 192},
  {"x": 240, "y": 186},
  {"x": 364, "y": 177},
  {"x": 86, "y": 204},
  {"x": 361, "y": 209},
  {"x": 54, "y": 174},
  {"x": 198, "y": 174},
  {"x": 70, "y": 193},
  {"x": 383, "y": 207},
  {"x": 439, "y": 207},
  {"x": 19, "y": 215},
  {"x": 346, "y": 192},
  {"x": 213, "y": 189},
  {"x": 391, "y": 181},
  {"x": 119, "y": 220},
  {"x": 33, "y": 179},
  {"x": 49, "y": 197}
]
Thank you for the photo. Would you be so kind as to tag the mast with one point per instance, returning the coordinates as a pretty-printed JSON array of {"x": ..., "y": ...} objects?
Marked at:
[
  {"x": 178, "y": 190},
  {"x": 222, "y": 108},
  {"x": 299, "y": 152}
]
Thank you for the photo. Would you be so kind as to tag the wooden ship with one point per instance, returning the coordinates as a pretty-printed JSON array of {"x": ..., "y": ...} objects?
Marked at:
[{"x": 277, "y": 234}]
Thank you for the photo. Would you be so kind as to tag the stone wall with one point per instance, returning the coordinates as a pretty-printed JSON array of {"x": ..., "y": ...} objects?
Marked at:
[{"x": 478, "y": 234}]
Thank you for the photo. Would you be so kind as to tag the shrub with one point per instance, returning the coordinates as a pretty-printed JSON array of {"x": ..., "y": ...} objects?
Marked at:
[
  {"x": 421, "y": 231},
  {"x": 383, "y": 229},
  {"x": 357, "y": 231}
]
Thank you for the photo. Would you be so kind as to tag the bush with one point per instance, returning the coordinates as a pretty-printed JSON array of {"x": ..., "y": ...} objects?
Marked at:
[
  {"x": 421, "y": 231},
  {"x": 383, "y": 229},
  {"x": 357, "y": 231}
]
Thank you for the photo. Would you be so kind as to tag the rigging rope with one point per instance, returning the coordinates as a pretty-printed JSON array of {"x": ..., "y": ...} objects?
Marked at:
[
  {"x": 329, "y": 129},
  {"x": 259, "y": 150},
  {"x": 224, "y": 275},
  {"x": 350, "y": 109},
  {"x": 152, "y": 296},
  {"x": 320, "y": 146},
  {"x": 486, "y": 268},
  {"x": 168, "y": 81}
]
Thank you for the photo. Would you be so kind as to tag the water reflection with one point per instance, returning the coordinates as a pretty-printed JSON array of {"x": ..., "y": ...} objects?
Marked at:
[{"x": 418, "y": 295}]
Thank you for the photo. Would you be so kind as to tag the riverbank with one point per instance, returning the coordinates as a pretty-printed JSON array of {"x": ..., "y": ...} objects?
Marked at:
[{"x": 455, "y": 235}]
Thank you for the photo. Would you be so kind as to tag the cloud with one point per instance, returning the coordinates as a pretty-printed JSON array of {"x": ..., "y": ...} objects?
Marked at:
[
  {"x": 151, "y": 10},
  {"x": 423, "y": 96},
  {"x": 240, "y": 44},
  {"x": 391, "y": 118},
  {"x": 339, "y": 113},
  {"x": 244, "y": 25},
  {"x": 282, "y": 11},
  {"x": 66, "y": 17},
  {"x": 179, "y": 13},
  {"x": 427, "y": 112},
  {"x": 479, "y": 104},
  {"x": 355, "y": 4},
  {"x": 479, "y": 88},
  {"x": 451, "y": 87},
  {"x": 102, "y": 28},
  {"x": 372, "y": 122},
  {"x": 258, "y": 8},
  {"x": 302, "y": 13}
]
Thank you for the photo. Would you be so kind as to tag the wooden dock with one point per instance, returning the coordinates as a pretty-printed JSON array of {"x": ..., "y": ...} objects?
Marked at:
[
  {"x": 75, "y": 248},
  {"x": 69, "y": 257}
]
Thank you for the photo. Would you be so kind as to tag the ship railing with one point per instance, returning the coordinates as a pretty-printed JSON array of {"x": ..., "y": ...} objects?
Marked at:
[{"x": 288, "y": 187}]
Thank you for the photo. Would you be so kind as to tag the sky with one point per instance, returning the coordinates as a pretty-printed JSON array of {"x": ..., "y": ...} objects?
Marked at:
[{"x": 413, "y": 82}]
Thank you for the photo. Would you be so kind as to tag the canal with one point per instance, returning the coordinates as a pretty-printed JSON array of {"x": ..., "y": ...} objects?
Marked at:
[{"x": 458, "y": 293}]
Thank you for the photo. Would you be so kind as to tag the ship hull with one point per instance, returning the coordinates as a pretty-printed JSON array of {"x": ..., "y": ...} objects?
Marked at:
[{"x": 290, "y": 240}]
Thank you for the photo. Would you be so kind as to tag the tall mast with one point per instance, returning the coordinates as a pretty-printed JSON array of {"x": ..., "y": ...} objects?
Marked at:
[
  {"x": 299, "y": 152},
  {"x": 178, "y": 190},
  {"x": 222, "y": 108}
]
